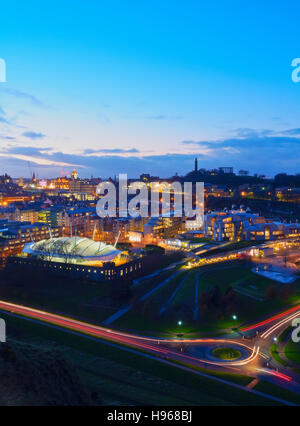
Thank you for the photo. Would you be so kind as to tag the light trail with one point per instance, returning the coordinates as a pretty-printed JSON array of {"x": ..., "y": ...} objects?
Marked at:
[
  {"x": 253, "y": 356},
  {"x": 140, "y": 342},
  {"x": 274, "y": 318},
  {"x": 275, "y": 327},
  {"x": 276, "y": 374}
]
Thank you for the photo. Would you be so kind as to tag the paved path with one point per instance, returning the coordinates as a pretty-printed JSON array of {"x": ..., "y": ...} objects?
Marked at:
[
  {"x": 171, "y": 277},
  {"x": 154, "y": 274},
  {"x": 164, "y": 307},
  {"x": 245, "y": 293},
  {"x": 117, "y": 315},
  {"x": 124, "y": 310}
]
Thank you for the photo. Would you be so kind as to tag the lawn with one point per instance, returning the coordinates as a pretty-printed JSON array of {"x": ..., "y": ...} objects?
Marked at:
[
  {"x": 242, "y": 278},
  {"x": 285, "y": 334},
  {"x": 292, "y": 352},
  {"x": 186, "y": 294},
  {"x": 145, "y": 285},
  {"x": 226, "y": 353},
  {"x": 238, "y": 275},
  {"x": 146, "y": 315},
  {"x": 279, "y": 392},
  {"x": 82, "y": 299},
  {"x": 276, "y": 355}
]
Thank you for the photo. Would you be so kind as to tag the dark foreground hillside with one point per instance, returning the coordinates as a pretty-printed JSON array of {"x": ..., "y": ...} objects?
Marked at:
[{"x": 30, "y": 375}]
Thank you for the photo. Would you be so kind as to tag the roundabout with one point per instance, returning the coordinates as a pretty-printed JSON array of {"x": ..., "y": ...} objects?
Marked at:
[{"x": 221, "y": 352}]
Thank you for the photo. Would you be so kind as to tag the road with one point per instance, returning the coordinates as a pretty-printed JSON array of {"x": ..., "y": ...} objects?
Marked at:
[{"x": 192, "y": 352}]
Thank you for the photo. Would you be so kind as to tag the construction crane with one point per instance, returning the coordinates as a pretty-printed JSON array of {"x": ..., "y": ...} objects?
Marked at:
[
  {"x": 117, "y": 239},
  {"x": 50, "y": 232},
  {"x": 94, "y": 232}
]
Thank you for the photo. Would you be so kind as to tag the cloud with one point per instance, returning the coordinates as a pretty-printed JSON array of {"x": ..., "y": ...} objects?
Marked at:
[
  {"x": 27, "y": 150},
  {"x": 111, "y": 151},
  {"x": 245, "y": 132},
  {"x": 267, "y": 152},
  {"x": 291, "y": 132},
  {"x": 33, "y": 135},
  {"x": 244, "y": 136},
  {"x": 6, "y": 137},
  {"x": 262, "y": 151},
  {"x": 41, "y": 157},
  {"x": 163, "y": 117},
  {"x": 19, "y": 94},
  {"x": 110, "y": 164},
  {"x": 3, "y": 120}
]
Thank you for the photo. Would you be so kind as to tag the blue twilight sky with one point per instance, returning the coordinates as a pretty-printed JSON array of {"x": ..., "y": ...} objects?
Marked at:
[{"x": 131, "y": 86}]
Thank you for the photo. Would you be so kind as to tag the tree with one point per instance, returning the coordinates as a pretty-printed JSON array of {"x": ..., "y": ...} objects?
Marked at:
[{"x": 272, "y": 292}]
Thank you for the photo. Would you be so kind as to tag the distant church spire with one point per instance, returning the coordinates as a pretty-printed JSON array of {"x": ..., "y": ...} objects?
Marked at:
[{"x": 196, "y": 164}]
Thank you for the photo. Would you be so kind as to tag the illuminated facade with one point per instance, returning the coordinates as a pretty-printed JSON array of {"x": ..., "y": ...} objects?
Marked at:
[
  {"x": 14, "y": 236},
  {"x": 239, "y": 225}
]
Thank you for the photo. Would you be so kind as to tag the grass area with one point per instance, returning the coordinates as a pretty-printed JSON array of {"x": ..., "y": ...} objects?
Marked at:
[
  {"x": 285, "y": 334},
  {"x": 148, "y": 284},
  {"x": 186, "y": 294},
  {"x": 279, "y": 392},
  {"x": 276, "y": 355},
  {"x": 146, "y": 315},
  {"x": 237, "y": 275},
  {"x": 83, "y": 299},
  {"x": 123, "y": 377},
  {"x": 239, "y": 379},
  {"x": 226, "y": 353},
  {"x": 292, "y": 352},
  {"x": 242, "y": 278}
]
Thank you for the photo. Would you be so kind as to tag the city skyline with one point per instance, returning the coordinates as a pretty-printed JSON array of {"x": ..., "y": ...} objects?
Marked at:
[{"x": 115, "y": 88}]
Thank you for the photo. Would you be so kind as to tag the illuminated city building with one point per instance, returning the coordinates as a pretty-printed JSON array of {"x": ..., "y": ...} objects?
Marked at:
[
  {"x": 75, "y": 174},
  {"x": 240, "y": 225},
  {"x": 14, "y": 235}
]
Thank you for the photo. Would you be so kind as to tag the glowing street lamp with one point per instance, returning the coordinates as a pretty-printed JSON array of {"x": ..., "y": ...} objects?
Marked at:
[
  {"x": 234, "y": 317},
  {"x": 179, "y": 323}
]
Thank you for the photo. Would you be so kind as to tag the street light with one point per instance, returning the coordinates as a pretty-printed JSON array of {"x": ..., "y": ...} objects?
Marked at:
[
  {"x": 234, "y": 317},
  {"x": 179, "y": 323},
  {"x": 275, "y": 339}
]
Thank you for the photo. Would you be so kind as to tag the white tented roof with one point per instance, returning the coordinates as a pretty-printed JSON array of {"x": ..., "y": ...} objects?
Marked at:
[{"x": 72, "y": 246}]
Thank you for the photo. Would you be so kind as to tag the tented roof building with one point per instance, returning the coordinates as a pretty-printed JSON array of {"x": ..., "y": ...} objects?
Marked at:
[{"x": 72, "y": 250}]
